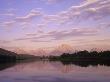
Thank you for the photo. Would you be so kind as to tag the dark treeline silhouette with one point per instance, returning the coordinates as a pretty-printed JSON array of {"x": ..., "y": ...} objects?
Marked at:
[
  {"x": 87, "y": 56},
  {"x": 84, "y": 58},
  {"x": 8, "y": 56}
]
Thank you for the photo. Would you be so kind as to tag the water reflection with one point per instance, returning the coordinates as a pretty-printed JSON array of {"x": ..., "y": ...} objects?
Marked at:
[
  {"x": 4, "y": 66},
  {"x": 45, "y": 71},
  {"x": 87, "y": 63},
  {"x": 41, "y": 64}
]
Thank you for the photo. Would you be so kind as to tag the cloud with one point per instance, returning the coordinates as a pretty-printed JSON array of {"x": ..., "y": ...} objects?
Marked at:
[
  {"x": 22, "y": 21},
  {"x": 73, "y": 33},
  {"x": 31, "y": 34},
  {"x": 104, "y": 25},
  {"x": 40, "y": 31},
  {"x": 32, "y": 39},
  {"x": 40, "y": 41},
  {"x": 35, "y": 34},
  {"x": 89, "y": 10},
  {"x": 4, "y": 41},
  {"x": 33, "y": 13},
  {"x": 41, "y": 25},
  {"x": 60, "y": 35},
  {"x": 21, "y": 39},
  {"x": 8, "y": 24},
  {"x": 102, "y": 40}
]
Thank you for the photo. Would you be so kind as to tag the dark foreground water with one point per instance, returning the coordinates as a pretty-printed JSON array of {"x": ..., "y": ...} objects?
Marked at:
[{"x": 45, "y": 71}]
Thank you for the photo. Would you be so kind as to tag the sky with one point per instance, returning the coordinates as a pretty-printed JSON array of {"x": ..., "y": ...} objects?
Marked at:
[{"x": 27, "y": 25}]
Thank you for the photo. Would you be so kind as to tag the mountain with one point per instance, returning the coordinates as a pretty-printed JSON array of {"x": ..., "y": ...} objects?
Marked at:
[
  {"x": 39, "y": 52},
  {"x": 63, "y": 48}
]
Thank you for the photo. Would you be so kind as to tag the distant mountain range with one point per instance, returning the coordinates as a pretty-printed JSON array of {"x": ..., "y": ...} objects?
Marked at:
[{"x": 63, "y": 48}]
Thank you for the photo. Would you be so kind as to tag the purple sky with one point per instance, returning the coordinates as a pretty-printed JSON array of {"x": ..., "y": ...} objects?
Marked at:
[{"x": 45, "y": 24}]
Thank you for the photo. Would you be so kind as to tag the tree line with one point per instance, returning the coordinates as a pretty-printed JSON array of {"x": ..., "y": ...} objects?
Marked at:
[{"x": 83, "y": 56}]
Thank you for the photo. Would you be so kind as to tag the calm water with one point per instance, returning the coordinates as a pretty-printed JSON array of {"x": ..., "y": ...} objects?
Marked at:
[{"x": 45, "y": 71}]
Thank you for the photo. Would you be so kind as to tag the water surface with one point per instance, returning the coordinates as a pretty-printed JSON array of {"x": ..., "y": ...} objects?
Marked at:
[{"x": 45, "y": 71}]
